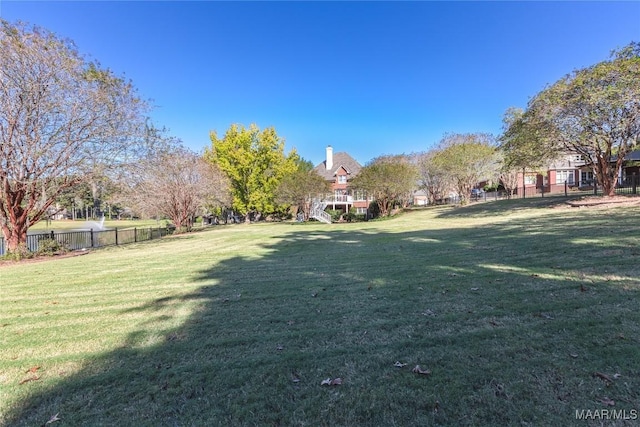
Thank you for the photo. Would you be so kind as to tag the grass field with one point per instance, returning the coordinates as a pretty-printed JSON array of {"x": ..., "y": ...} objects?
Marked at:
[
  {"x": 63, "y": 225},
  {"x": 523, "y": 312}
]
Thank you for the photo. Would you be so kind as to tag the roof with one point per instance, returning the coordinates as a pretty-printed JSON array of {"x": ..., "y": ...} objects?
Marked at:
[
  {"x": 632, "y": 156},
  {"x": 340, "y": 159}
]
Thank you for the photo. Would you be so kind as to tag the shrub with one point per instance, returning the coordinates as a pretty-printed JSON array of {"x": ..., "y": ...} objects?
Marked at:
[
  {"x": 335, "y": 214},
  {"x": 374, "y": 209},
  {"x": 21, "y": 252},
  {"x": 50, "y": 247},
  {"x": 352, "y": 216}
]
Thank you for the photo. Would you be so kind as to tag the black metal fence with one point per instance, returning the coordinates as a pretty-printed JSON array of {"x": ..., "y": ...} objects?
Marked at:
[{"x": 85, "y": 239}]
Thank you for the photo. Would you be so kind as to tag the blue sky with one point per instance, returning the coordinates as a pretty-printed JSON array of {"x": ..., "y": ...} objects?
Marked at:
[{"x": 369, "y": 78}]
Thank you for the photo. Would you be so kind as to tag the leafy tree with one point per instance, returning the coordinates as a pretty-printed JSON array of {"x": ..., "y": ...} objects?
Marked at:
[
  {"x": 467, "y": 159},
  {"x": 432, "y": 176},
  {"x": 595, "y": 112},
  {"x": 177, "y": 184},
  {"x": 60, "y": 115},
  {"x": 77, "y": 197},
  {"x": 523, "y": 143},
  {"x": 522, "y": 146},
  {"x": 304, "y": 165},
  {"x": 255, "y": 164},
  {"x": 388, "y": 179},
  {"x": 299, "y": 188}
]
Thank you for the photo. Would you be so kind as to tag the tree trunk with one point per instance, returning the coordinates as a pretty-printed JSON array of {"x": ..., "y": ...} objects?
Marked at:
[
  {"x": 608, "y": 186},
  {"x": 14, "y": 238},
  {"x": 606, "y": 177},
  {"x": 95, "y": 195}
]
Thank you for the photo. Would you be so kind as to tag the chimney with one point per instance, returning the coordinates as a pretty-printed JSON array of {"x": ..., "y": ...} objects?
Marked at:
[{"x": 329, "y": 162}]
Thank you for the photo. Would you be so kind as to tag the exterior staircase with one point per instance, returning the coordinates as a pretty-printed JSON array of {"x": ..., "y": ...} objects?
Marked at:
[{"x": 318, "y": 213}]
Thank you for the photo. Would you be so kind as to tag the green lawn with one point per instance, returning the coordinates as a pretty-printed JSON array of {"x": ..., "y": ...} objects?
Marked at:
[
  {"x": 523, "y": 312},
  {"x": 82, "y": 224}
]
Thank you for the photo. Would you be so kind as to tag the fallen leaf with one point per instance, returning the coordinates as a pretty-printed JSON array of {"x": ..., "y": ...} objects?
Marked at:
[
  {"x": 279, "y": 347},
  {"x": 428, "y": 313},
  {"x": 475, "y": 289},
  {"x": 32, "y": 369},
  {"x": 52, "y": 419},
  {"x": 574, "y": 355},
  {"x": 330, "y": 382},
  {"x": 418, "y": 370},
  {"x": 32, "y": 378},
  {"x": 616, "y": 376},
  {"x": 603, "y": 376},
  {"x": 399, "y": 364},
  {"x": 607, "y": 402}
]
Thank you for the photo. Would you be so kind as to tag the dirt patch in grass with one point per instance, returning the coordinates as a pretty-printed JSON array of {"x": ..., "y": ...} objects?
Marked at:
[{"x": 601, "y": 202}]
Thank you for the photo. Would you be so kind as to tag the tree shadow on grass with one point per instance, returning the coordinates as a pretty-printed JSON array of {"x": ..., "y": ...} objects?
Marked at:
[
  {"x": 497, "y": 208},
  {"x": 509, "y": 335}
]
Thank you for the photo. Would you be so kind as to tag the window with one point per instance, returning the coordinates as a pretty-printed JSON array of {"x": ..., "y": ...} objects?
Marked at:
[
  {"x": 586, "y": 177},
  {"x": 361, "y": 211},
  {"x": 529, "y": 180},
  {"x": 359, "y": 195},
  {"x": 342, "y": 179},
  {"x": 578, "y": 158},
  {"x": 564, "y": 175}
]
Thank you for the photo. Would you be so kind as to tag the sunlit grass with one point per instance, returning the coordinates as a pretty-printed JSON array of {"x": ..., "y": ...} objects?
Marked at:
[
  {"x": 84, "y": 224},
  {"x": 513, "y": 306}
]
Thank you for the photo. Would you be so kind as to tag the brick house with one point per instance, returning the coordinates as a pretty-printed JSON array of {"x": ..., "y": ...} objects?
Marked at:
[
  {"x": 573, "y": 170},
  {"x": 339, "y": 169}
]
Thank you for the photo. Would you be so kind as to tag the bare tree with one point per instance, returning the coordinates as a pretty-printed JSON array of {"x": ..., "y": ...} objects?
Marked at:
[
  {"x": 60, "y": 116},
  {"x": 509, "y": 179},
  {"x": 178, "y": 184}
]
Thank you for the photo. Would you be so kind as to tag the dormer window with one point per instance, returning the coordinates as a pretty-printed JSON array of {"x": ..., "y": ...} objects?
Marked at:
[{"x": 342, "y": 179}]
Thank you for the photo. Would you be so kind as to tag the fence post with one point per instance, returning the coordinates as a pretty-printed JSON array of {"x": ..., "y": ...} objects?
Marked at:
[
  {"x": 116, "y": 236},
  {"x": 91, "y": 231},
  {"x": 634, "y": 182},
  {"x": 52, "y": 235},
  {"x": 135, "y": 235}
]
